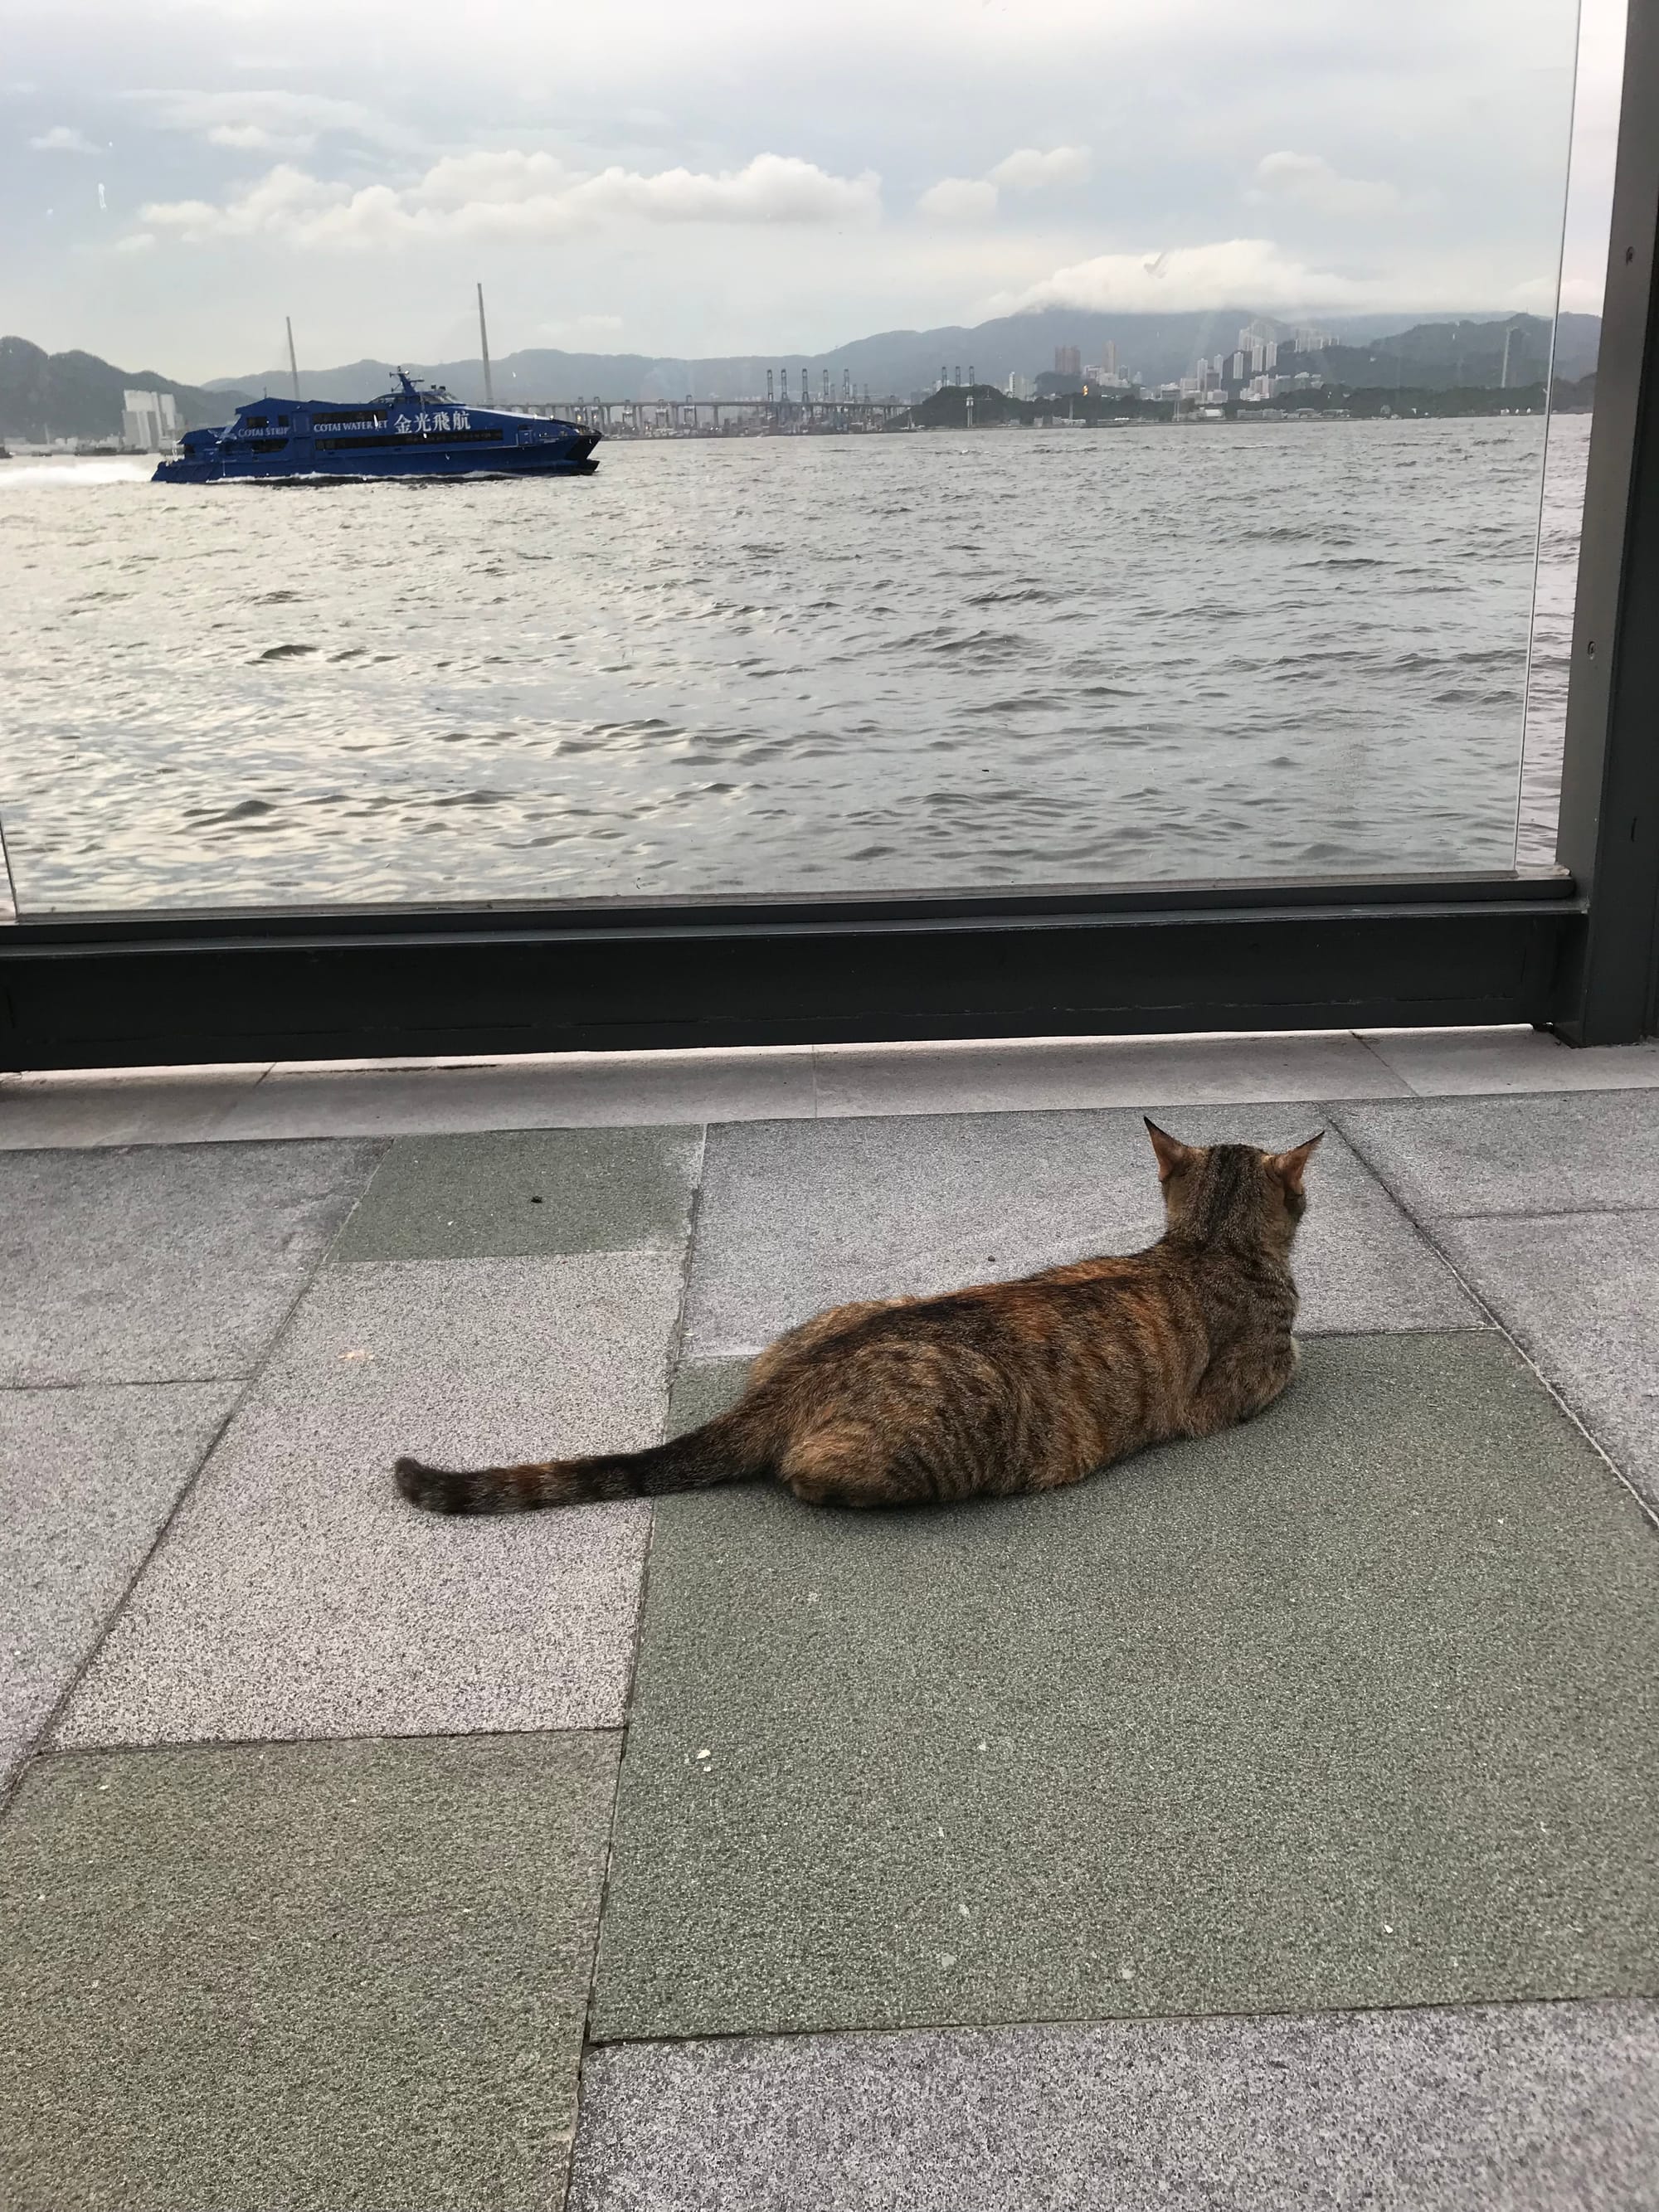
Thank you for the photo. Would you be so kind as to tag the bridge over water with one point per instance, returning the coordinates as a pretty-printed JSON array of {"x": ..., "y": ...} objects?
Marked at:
[{"x": 725, "y": 418}]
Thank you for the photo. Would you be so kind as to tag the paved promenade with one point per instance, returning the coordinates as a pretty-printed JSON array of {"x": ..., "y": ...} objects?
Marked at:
[{"x": 1268, "y": 1822}]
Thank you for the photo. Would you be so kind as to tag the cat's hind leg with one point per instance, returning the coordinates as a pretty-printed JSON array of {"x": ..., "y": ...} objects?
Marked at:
[
  {"x": 842, "y": 1462},
  {"x": 1242, "y": 1382}
]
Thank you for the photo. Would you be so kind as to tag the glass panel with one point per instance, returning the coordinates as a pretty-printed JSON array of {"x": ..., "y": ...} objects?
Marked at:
[
  {"x": 1059, "y": 447},
  {"x": 1590, "y": 203},
  {"x": 7, "y": 895}
]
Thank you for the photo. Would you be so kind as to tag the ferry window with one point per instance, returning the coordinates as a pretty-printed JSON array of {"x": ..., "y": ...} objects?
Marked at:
[{"x": 1055, "y": 447}]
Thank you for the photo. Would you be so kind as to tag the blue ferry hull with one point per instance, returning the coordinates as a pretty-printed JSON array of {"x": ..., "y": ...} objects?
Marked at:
[{"x": 413, "y": 432}]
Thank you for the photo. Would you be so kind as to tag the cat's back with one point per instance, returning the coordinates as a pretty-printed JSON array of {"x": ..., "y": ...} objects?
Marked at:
[{"x": 1235, "y": 1290}]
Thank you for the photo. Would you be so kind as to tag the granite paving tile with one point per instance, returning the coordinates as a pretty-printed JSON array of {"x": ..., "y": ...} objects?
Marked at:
[
  {"x": 1563, "y": 1153},
  {"x": 795, "y": 1216},
  {"x": 162, "y": 1264},
  {"x": 1059, "y": 1071},
  {"x": 152, "y": 1106},
  {"x": 702, "y": 1388},
  {"x": 1356, "y": 1705},
  {"x": 527, "y": 1192},
  {"x": 305, "y": 1978},
  {"x": 1479, "y": 1062},
  {"x": 88, "y": 1477},
  {"x": 571, "y": 1090},
  {"x": 1580, "y": 1293},
  {"x": 296, "y": 1594},
  {"x": 1509, "y": 2108}
]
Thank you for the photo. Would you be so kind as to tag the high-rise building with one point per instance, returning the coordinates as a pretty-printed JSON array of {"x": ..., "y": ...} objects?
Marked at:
[
  {"x": 1238, "y": 375},
  {"x": 1109, "y": 358},
  {"x": 149, "y": 420},
  {"x": 1068, "y": 360}
]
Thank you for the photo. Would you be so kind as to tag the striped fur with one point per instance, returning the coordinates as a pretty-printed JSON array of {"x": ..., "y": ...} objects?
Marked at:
[{"x": 1000, "y": 1388}]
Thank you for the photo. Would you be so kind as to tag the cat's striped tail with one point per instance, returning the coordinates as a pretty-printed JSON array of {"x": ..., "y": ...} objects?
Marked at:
[{"x": 728, "y": 1449}]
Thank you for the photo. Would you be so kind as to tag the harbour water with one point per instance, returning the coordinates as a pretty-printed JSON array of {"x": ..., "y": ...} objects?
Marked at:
[{"x": 798, "y": 665}]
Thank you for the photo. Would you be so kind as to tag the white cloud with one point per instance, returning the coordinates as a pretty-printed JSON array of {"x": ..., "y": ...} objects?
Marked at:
[
  {"x": 581, "y": 327},
  {"x": 1578, "y": 296},
  {"x": 959, "y": 199},
  {"x": 516, "y": 196},
  {"x": 62, "y": 138},
  {"x": 975, "y": 199},
  {"x": 264, "y": 122},
  {"x": 256, "y": 139},
  {"x": 1028, "y": 170},
  {"x": 1308, "y": 180},
  {"x": 1236, "y": 272},
  {"x": 136, "y": 241},
  {"x": 773, "y": 188},
  {"x": 506, "y": 179}
]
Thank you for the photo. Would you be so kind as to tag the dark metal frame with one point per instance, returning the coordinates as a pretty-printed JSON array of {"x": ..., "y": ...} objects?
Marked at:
[
  {"x": 1574, "y": 949},
  {"x": 1608, "y": 836}
]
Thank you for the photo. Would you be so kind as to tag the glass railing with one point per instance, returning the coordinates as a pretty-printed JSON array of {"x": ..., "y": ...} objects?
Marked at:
[
  {"x": 8, "y": 889},
  {"x": 1135, "y": 477}
]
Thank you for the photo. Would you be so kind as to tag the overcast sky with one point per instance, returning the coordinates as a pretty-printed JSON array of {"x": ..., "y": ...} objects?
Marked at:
[{"x": 718, "y": 176}]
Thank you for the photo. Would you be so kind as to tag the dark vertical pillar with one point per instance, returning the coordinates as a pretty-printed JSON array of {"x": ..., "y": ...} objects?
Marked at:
[{"x": 1609, "y": 826}]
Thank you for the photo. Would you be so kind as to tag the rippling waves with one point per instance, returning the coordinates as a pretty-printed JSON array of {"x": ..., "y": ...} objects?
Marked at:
[{"x": 791, "y": 666}]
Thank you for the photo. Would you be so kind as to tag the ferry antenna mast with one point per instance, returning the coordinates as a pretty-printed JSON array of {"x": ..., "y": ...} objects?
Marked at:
[
  {"x": 484, "y": 347},
  {"x": 293, "y": 365}
]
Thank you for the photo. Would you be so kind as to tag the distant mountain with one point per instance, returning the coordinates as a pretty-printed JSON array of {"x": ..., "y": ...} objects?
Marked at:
[
  {"x": 1447, "y": 356},
  {"x": 75, "y": 395},
  {"x": 898, "y": 363}
]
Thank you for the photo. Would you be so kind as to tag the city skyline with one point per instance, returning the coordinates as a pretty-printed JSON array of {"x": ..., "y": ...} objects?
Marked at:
[{"x": 690, "y": 187}]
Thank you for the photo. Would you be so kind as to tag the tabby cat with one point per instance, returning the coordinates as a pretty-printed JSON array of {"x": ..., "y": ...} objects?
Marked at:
[{"x": 1006, "y": 1387}]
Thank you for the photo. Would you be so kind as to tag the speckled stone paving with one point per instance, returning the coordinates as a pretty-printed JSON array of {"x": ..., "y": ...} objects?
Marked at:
[
  {"x": 90, "y": 1475},
  {"x": 298, "y": 1978},
  {"x": 1164, "y": 1843},
  {"x": 529, "y": 1194},
  {"x": 1352, "y": 1706},
  {"x": 799, "y": 1215},
  {"x": 1529, "y": 2108},
  {"x": 296, "y": 1594},
  {"x": 163, "y": 1264}
]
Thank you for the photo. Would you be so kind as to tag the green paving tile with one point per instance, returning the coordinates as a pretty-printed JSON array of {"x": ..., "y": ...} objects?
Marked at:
[
  {"x": 346, "y": 1976},
  {"x": 1354, "y": 1706},
  {"x": 527, "y": 1193},
  {"x": 702, "y": 1388}
]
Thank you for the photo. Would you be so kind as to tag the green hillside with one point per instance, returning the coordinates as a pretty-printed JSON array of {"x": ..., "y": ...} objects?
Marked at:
[{"x": 75, "y": 395}]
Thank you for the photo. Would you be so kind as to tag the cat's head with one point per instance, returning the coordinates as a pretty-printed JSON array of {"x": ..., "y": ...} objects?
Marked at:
[{"x": 1234, "y": 1190}]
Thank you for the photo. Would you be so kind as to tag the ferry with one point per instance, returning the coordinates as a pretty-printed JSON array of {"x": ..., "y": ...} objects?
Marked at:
[{"x": 415, "y": 431}]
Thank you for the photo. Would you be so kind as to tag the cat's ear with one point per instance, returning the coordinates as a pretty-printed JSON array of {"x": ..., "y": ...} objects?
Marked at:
[
  {"x": 1290, "y": 1167},
  {"x": 1172, "y": 1154}
]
